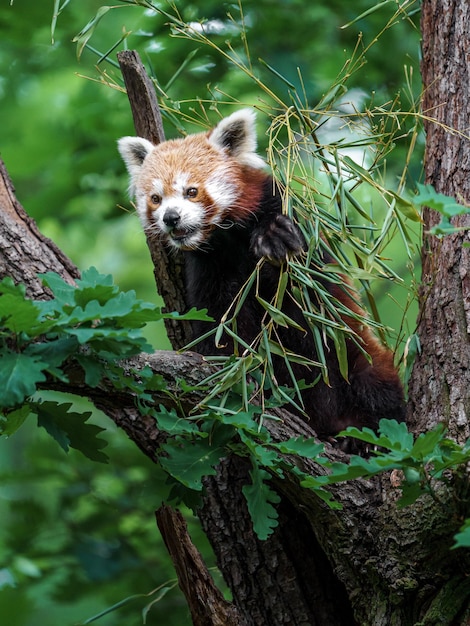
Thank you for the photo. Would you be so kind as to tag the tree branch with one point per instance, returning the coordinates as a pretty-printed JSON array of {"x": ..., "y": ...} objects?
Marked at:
[
  {"x": 168, "y": 266},
  {"x": 206, "y": 602},
  {"x": 24, "y": 251}
]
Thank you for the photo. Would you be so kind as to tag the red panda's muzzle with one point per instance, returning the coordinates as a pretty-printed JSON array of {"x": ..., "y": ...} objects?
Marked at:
[
  {"x": 181, "y": 224},
  {"x": 181, "y": 237}
]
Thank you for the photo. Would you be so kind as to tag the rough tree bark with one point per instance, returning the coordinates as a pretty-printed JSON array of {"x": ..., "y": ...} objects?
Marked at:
[
  {"x": 369, "y": 563},
  {"x": 440, "y": 389}
]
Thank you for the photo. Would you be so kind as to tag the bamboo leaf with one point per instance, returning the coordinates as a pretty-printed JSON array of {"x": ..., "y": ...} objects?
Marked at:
[
  {"x": 374, "y": 8},
  {"x": 87, "y": 31},
  {"x": 278, "y": 316}
]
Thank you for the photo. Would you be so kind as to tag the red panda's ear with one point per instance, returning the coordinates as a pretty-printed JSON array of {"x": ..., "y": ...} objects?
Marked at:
[
  {"x": 236, "y": 135},
  {"x": 133, "y": 151}
]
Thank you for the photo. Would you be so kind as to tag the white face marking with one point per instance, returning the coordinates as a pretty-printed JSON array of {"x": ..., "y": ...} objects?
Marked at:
[
  {"x": 141, "y": 205},
  {"x": 157, "y": 187},
  {"x": 223, "y": 193},
  {"x": 181, "y": 183}
]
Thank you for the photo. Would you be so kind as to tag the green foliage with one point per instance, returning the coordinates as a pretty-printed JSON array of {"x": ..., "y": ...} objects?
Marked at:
[
  {"x": 21, "y": 374},
  {"x": 205, "y": 438},
  {"x": 93, "y": 324},
  {"x": 194, "y": 453},
  {"x": 446, "y": 206},
  {"x": 462, "y": 538},
  {"x": 189, "y": 460},
  {"x": 423, "y": 461},
  {"x": 89, "y": 326},
  {"x": 200, "y": 444},
  {"x": 260, "y": 499},
  {"x": 70, "y": 429},
  {"x": 87, "y": 31},
  {"x": 79, "y": 537}
]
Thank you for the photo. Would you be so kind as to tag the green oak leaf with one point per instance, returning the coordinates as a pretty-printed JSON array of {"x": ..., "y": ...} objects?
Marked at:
[
  {"x": 19, "y": 375},
  {"x": 260, "y": 499},
  {"x": 71, "y": 430}
]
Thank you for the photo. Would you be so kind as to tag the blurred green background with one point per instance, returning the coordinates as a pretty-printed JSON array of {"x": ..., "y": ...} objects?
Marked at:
[{"x": 77, "y": 537}]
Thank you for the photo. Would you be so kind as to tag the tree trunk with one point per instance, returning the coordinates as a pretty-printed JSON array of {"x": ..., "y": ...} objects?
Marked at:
[
  {"x": 24, "y": 251},
  {"x": 440, "y": 388},
  {"x": 368, "y": 563}
]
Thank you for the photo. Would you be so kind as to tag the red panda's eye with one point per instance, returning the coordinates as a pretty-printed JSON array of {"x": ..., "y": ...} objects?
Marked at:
[
  {"x": 155, "y": 199},
  {"x": 191, "y": 192}
]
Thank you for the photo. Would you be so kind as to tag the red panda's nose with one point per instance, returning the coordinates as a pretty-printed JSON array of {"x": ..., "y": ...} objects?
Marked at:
[{"x": 171, "y": 218}]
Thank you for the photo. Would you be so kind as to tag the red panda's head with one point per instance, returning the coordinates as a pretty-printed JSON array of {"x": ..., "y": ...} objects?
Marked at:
[{"x": 185, "y": 188}]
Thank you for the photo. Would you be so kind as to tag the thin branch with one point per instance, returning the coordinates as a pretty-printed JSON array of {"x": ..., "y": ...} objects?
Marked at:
[
  {"x": 142, "y": 98},
  {"x": 207, "y": 604},
  {"x": 168, "y": 266}
]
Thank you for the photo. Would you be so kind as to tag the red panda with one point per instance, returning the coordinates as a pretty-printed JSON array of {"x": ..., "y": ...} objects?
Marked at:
[{"x": 208, "y": 195}]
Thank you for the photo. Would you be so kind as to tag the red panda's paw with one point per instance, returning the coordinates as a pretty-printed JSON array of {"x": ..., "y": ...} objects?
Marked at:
[{"x": 277, "y": 239}]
